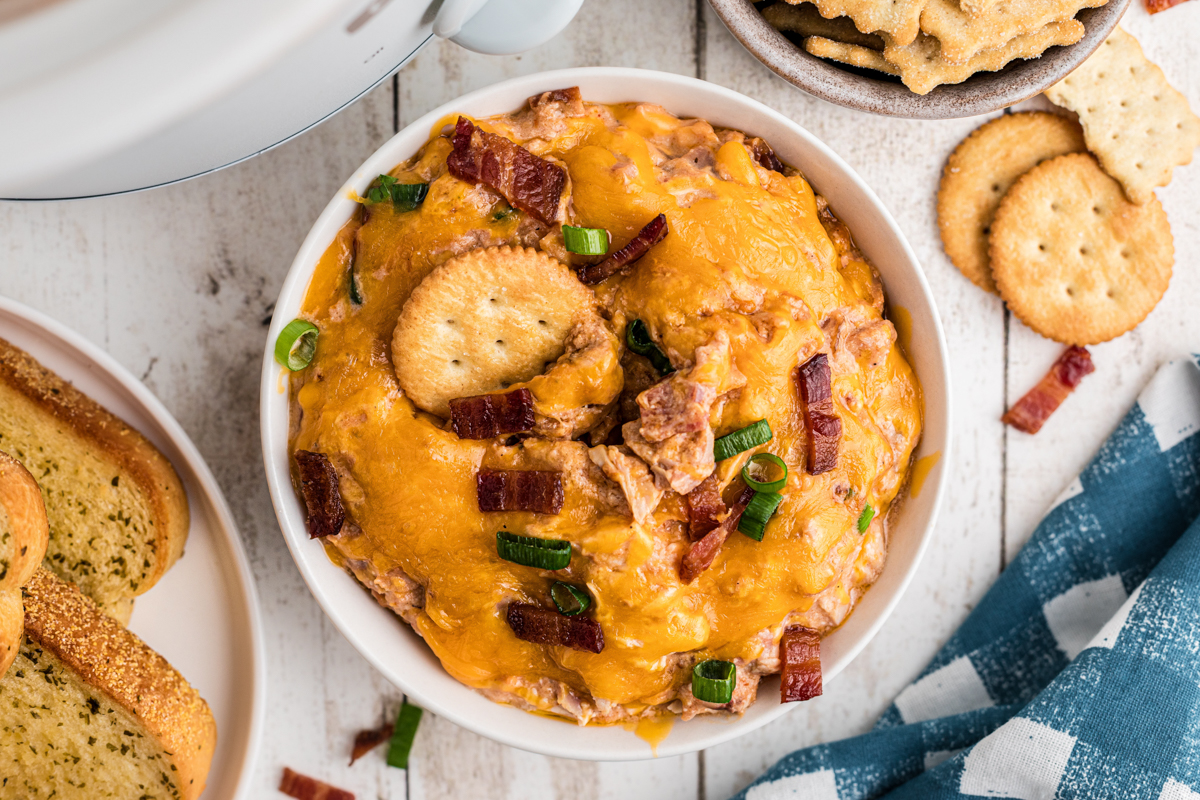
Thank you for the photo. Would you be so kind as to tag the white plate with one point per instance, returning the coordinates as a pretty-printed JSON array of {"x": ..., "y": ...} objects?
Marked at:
[
  {"x": 203, "y": 616},
  {"x": 389, "y": 644}
]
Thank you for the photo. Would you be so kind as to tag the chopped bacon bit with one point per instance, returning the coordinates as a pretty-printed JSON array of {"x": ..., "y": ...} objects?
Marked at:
[
  {"x": 368, "y": 740},
  {"x": 488, "y": 415},
  {"x": 543, "y": 626},
  {"x": 761, "y": 152},
  {"x": 824, "y": 427},
  {"x": 526, "y": 181},
  {"x": 702, "y": 553},
  {"x": 800, "y": 652},
  {"x": 569, "y": 97},
  {"x": 319, "y": 488},
  {"x": 302, "y": 787},
  {"x": 705, "y": 507},
  {"x": 638, "y": 246},
  {"x": 519, "y": 490},
  {"x": 1031, "y": 411},
  {"x": 1155, "y": 6}
]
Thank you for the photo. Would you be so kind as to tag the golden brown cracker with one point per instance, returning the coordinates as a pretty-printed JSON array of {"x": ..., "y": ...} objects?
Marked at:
[
  {"x": 484, "y": 321},
  {"x": 963, "y": 35},
  {"x": 805, "y": 20},
  {"x": 922, "y": 65},
  {"x": 980, "y": 171},
  {"x": 1073, "y": 258},
  {"x": 899, "y": 19},
  {"x": 850, "y": 54},
  {"x": 976, "y": 6},
  {"x": 1135, "y": 122}
]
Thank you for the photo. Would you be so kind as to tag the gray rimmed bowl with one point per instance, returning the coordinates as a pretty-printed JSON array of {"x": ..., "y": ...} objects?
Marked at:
[{"x": 980, "y": 94}]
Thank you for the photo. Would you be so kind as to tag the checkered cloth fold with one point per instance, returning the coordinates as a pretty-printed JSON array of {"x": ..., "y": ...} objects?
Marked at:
[{"x": 1078, "y": 674}]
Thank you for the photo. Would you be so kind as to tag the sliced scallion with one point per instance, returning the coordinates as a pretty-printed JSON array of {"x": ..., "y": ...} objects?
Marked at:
[
  {"x": 531, "y": 551},
  {"x": 739, "y": 441},
  {"x": 569, "y": 600},
  {"x": 404, "y": 196},
  {"x": 758, "y": 464},
  {"x": 864, "y": 519},
  {"x": 503, "y": 213},
  {"x": 297, "y": 344},
  {"x": 403, "y": 734},
  {"x": 712, "y": 681},
  {"x": 758, "y": 513},
  {"x": 637, "y": 336},
  {"x": 585, "y": 241},
  {"x": 355, "y": 292}
]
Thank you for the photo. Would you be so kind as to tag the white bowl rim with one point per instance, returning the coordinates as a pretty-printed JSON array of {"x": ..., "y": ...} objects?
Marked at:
[{"x": 273, "y": 398}]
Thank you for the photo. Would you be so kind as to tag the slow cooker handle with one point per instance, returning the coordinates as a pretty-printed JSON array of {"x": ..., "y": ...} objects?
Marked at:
[{"x": 454, "y": 14}]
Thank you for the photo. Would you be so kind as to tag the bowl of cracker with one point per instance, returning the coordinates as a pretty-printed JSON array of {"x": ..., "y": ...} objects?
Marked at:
[{"x": 921, "y": 59}]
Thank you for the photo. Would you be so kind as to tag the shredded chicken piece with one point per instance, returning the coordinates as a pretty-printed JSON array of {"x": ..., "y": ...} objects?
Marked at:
[
  {"x": 632, "y": 475},
  {"x": 675, "y": 405},
  {"x": 681, "y": 461}
]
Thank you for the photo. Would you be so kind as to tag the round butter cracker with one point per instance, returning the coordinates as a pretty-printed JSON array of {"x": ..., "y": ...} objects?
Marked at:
[
  {"x": 484, "y": 321},
  {"x": 1073, "y": 258},
  {"x": 979, "y": 172}
]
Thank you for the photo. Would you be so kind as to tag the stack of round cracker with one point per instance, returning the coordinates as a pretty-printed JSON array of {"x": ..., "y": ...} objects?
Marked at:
[
  {"x": 1025, "y": 211},
  {"x": 930, "y": 42}
]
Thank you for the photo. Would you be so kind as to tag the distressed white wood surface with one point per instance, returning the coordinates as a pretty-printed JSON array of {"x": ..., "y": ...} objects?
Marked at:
[{"x": 177, "y": 284}]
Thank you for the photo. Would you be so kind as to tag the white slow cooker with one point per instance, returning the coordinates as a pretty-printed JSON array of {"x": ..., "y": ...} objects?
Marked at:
[{"x": 105, "y": 96}]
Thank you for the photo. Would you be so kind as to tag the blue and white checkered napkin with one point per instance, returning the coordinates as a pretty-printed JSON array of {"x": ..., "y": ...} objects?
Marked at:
[{"x": 1078, "y": 674}]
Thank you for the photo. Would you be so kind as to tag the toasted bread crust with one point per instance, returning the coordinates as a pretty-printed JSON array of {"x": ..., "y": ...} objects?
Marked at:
[
  {"x": 21, "y": 504},
  {"x": 125, "y": 447},
  {"x": 111, "y": 659}
]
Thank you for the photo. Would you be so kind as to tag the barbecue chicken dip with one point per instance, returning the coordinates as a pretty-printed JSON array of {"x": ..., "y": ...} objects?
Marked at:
[{"x": 554, "y": 347}]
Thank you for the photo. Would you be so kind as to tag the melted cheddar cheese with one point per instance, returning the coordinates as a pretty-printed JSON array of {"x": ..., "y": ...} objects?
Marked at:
[{"x": 750, "y": 253}]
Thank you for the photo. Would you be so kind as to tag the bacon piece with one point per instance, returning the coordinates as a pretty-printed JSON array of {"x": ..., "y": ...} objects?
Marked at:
[
  {"x": 1031, "y": 411},
  {"x": 824, "y": 427},
  {"x": 519, "y": 490},
  {"x": 543, "y": 626},
  {"x": 1155, "y": 6},
  {"x": 704, "y": 507},
  {"x": 800, "y": 652},
  {"x": 569, "y": 96},
  {"x": 761, "y": 152},
  {"x": 530, "y": 183},
  {"x": 319, "y": 488},
  {"x": 638, "y": 246},
  {"x": 302, "y": 787},
  {"x": 487, "y": 415},
  {"x": 368, "y": 740},
  {"x": 702, "y": 553}
]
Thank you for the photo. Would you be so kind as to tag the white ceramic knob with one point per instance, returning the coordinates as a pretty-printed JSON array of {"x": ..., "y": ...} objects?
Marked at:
[{"x": 503, "y": 27}]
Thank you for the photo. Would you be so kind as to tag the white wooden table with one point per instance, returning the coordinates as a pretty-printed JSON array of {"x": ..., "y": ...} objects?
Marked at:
[{"x": 177, "y": 283}]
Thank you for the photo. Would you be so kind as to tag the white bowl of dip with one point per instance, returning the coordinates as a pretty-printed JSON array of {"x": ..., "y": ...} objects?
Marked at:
[{"x": 399, "y": 653}]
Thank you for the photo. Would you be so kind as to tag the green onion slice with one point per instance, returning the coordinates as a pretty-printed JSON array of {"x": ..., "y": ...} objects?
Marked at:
[
  {"x": 752, "y": 467},
  {"x": 585, "y": 241},
  {"x": 864, "y": 519},
  {"x": 355, "y": 292},
  {"x": 758, "y": 513},
  {"x": 637, "y": 336},
  {"x": 739, "y": 441},
  {"x": 403, "y": 734},
  {"x": 530, "y": 551},
  {"x": 570, "y": 600},
  {"x": 503, "y": 213},
  {"x": 712, "y": 681},
  {"x": 297, "y": 344},
  {"x": 404, "y": 196}
]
